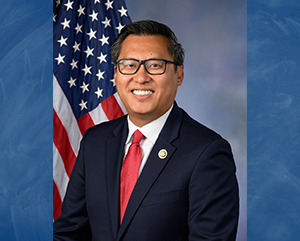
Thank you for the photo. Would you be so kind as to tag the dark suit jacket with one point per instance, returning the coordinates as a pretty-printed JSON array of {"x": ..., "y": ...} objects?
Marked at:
[{"x": 192, "y": 194}]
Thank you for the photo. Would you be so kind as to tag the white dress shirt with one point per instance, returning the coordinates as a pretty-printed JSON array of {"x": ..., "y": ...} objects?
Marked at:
[{"x": 150, "y": 131}]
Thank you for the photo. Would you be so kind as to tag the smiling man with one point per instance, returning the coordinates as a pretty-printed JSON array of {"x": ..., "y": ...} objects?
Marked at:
[{"x": 155, "y": 174}]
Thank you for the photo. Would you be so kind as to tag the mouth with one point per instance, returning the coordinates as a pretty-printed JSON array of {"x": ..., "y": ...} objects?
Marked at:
[{"x": 142, "y": 92}]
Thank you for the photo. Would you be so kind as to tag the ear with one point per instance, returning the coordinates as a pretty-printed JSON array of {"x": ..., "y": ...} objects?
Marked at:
[
  {"x": 115, "y": 72},
  {"x": 180, "y": 74}
]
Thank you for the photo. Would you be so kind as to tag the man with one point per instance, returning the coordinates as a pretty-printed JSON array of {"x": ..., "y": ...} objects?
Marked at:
[{"x": 184, "y": 185}]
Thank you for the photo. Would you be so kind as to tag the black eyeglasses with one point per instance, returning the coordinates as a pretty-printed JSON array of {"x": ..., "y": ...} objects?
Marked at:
[{"x": 152, "y": 66}]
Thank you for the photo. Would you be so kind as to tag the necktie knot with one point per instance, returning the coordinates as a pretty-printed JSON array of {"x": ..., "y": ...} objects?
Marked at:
[{"x": 137, "y": 137}]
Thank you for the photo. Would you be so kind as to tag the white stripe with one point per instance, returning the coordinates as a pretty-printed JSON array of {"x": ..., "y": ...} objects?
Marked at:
[
  {"x": 118, "y": 99},
  {"x": 64, "y": 111},
  {"x": 60, "y": 176},
  {"x": 98, "y": 116}
]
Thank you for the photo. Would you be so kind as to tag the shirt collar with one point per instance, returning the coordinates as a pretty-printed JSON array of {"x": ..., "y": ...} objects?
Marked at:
[{"x": 151, "y": 130}]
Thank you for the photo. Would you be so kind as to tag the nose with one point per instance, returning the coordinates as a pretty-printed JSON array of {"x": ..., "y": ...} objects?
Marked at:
[{"x": 142, "y": 76}]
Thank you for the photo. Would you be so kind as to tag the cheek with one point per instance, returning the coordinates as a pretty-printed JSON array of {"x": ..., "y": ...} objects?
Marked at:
[
  {"x": 118, "y": 79},
  {"x": 168, "y": 85},
  {"x": 121, "y": 85}
]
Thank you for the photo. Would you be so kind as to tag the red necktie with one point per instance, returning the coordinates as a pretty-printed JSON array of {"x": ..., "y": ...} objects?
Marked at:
[{"x": 130, "y": 171}]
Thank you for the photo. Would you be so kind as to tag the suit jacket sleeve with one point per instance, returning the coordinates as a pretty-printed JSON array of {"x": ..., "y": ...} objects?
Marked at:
[
  {"x": 73, "y": 224},
  {"x": 213, "y": 195}
]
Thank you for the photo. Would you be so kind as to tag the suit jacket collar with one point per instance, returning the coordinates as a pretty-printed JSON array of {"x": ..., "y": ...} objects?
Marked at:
[{"x": 151, "y": 171}]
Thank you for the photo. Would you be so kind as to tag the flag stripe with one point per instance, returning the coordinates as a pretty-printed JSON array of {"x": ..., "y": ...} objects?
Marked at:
[
  {"x": 56, "y": 202},
  {"x": 61, "y": 141},
  {"x": 64, "y": 111},
  {"x": 59, "y": 175},
  {"x": 98, "y": 115},
  {"x": 85, "y": 122},
  {"x": 111, "y": 108},
  {"x": 120, "y": 103}
]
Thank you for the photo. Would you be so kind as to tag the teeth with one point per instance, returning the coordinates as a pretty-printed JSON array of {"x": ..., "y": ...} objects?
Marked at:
[{"x": 142, "y": 92}]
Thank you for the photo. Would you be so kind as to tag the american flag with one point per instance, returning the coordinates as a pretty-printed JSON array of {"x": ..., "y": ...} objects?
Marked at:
[{"x": 84, "y": 93}]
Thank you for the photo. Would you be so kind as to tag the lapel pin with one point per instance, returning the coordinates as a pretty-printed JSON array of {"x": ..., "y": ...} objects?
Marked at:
[{"x": 162, "y": 154}]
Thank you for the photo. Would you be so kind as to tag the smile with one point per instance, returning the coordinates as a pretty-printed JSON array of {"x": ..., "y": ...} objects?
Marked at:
[{"x": 142, "y": 92}]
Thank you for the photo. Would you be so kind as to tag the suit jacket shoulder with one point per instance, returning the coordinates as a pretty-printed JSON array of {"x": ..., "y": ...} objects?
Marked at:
[
  {"x": 181, "y": 127},
  {"x": 107, "y": 129}
]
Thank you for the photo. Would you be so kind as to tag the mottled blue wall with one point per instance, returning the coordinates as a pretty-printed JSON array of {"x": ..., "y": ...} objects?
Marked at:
[
  {"x": 273, "y": 105},
  {"x": 274, "y": 120},
  {"x": 26, "y": 120}
]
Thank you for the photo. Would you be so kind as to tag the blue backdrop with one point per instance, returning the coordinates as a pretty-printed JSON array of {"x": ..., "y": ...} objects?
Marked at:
[
  {"x": 26, "y": 120},
  {"x": 273, "y": 106},
  {"x": 273, "y": 120}
]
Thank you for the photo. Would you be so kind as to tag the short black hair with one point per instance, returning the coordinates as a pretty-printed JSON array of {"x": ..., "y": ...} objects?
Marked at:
[{"x": 147, "y": 28}]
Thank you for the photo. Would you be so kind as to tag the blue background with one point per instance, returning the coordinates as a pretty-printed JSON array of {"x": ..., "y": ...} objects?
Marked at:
[
  {"x": 26, "y": 120},
  {"x": 273, "y": 120},
  {"x": 273, "y": 109}
]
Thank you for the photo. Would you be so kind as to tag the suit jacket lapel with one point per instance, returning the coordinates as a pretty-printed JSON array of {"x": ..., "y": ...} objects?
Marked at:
[
  {"x": 114, "y": 157},
  {"x": 154, "y": 166}
]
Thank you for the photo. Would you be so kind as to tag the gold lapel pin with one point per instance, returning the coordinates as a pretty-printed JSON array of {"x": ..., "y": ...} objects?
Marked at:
[{"x": 162, "y": 154}]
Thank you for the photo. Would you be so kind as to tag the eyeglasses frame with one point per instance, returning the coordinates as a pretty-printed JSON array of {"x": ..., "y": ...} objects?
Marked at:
[{"x": 143, "y": 62}]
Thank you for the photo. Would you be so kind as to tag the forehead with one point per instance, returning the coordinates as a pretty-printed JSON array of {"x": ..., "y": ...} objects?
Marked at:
[{"x": 145, "y": 45}]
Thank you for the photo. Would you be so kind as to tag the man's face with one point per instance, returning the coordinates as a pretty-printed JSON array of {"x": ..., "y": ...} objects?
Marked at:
[{"x": 147, "y": 97}]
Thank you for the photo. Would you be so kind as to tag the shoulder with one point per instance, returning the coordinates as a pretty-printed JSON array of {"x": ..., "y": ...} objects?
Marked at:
[
  {"x": 189, "y": 127},
  {"x": 106, "y": 130},
  {"x": 182, "y": 128},
  {"x": 194, "y": 128},
  {"x": 194, "y": 134}
]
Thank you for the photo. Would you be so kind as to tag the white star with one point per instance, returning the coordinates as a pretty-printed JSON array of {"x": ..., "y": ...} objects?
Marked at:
[
  {"x": 62, "y": 41},
  {"x": 100, "y": 74},
  {"x": 83, "y": 105},
  {"x": 76, "y": 47},
  {"x": 58, "y": 2},
  {"x": 109, "y": 5},
  {"x": 119, "y": 28},
  {"x": 113, "y": 81},
  {"x": 66, "y": 23},
  {"x": 123, "y": 11},
  {"x": 104, "y": 40},
  {"x": 78, "y": 28},
  {"x": 87, "y": 70},
  {"x": 84, "y": 87},
  {"x": 60, "y": 59},
  {"x": 106, "y": 22},
  {"x": 97, "y": 1},
  {"x": 72, "y": 82},
  {"x": 54, "y": 17},
  {"x": 81, "y": 10},
  {"x": 92, "y": 34},
  {"x": 102, "y": 58},
  {"x": 94, "y": 16},
  {"x": 69, "y": 5},
  {"x": 99, "y": 92},
  {"x": 74, "y": 64},
  {"x": 89, "y": 52}
]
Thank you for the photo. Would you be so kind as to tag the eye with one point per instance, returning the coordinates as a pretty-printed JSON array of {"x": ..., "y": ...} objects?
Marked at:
[
  {"x": 129, "y": 64},
  {"x": 155, "y": 64}
]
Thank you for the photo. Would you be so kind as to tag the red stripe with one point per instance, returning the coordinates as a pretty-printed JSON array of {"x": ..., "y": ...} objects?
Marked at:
[
  {"x": 61, "y": 141},
  {"x": 85, "y": 122},
  {"x": 111, "y": 108},
  {"x": 56, "y": 202}
]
